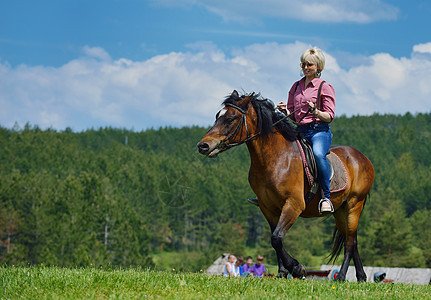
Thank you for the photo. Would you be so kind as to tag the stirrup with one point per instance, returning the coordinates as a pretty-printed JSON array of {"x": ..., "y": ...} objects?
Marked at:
[
  {"x": 319, "y": 206},
  {"x": 253, "y": 201}
]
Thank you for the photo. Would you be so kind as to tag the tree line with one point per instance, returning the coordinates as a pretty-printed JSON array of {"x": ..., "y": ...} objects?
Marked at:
[{"x": 116, "y": 197}]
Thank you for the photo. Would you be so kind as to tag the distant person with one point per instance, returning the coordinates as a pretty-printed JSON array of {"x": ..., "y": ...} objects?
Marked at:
[
  {"x": 258, "y": 268},
  {"x": 247, "y": 266},
  {"x": 239, "y": 270},
  {"x": 229, "y": 268}
]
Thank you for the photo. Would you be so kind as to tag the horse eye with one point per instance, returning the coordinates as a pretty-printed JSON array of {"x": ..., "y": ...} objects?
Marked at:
[{"x": 230, "y": 120}]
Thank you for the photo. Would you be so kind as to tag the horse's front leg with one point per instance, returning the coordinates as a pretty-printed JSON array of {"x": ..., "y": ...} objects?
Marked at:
[
  {"x": 285, "y": 261},
  {"x": 283, "y": 272}
]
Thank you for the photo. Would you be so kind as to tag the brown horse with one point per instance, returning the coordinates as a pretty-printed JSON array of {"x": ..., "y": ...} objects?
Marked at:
[{"x": 277, "y": 177}]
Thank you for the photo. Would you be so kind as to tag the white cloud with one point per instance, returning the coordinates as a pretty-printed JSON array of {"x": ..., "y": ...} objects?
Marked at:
[
  {"x": 182, "y": 89},
  {"x": 423, "y": 48},
  {"x": 96, "y": 52},
  {"x": 386, "y": 85},
  {"x": 332, "y": 11}
]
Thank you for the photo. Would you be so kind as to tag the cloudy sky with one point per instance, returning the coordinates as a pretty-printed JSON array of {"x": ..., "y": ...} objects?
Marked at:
[{"x": 140, "y": 64}]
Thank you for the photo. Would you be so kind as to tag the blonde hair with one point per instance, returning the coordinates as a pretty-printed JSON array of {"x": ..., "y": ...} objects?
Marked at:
[{"x": 315, "y": 56}]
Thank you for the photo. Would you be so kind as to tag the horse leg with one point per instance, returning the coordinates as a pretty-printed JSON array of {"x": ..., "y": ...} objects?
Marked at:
[
  {"x": 346, "y": 261},
  {"x": 285, "y": 261},
  {"x": 355, "y": 211},
  {"x": 360, "y": 273},
  {"x": 351, "y": 251},
  {"x": 282, "y": 271},
  {"x": 346, "y": 220}
]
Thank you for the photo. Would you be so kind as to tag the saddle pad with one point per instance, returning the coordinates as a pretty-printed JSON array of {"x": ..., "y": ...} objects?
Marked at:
[{"x": 338, "y": 181}]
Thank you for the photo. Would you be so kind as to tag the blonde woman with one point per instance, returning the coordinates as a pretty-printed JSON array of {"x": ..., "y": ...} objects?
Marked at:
[{"x": 314, "y": 126}]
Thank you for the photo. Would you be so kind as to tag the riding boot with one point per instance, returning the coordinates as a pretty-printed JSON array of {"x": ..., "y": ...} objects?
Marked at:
[{"x": 325, "y": 206}]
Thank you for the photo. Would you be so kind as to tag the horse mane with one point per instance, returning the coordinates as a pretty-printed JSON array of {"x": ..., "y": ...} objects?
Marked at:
[{"x": 266, "y": 114}]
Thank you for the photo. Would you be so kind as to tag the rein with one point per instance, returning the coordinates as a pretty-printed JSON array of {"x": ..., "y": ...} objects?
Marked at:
[
  {"x": 287, "y": 116},
  {"x": 223, "y": 145}
]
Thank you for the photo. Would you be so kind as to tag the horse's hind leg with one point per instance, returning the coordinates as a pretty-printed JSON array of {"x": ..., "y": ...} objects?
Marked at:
[
  {"x": 351, "y": 251},
  {"x": 346, "y": 220},
  {"x": 360, "y": 273}
]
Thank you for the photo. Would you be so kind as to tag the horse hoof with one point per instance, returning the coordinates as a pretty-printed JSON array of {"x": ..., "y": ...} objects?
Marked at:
[
  {"x": 303, "y": 272},
  {"x": 282, "y": 274},
  {"x": 299, "y": 272},
  {"x": 340, "y": 278}
]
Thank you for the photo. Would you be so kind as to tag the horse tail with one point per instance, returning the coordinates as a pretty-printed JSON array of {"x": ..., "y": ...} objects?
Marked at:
[
  {"x": 338, "y": 241},
  {"x": 366, "y": 197}
]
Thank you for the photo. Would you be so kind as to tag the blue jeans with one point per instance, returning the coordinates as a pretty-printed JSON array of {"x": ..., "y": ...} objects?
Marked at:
[{"x": 320, "y": 137}]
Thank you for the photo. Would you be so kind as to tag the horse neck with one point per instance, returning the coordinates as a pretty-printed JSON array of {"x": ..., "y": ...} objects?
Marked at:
[{"x": 264, "y": 151}]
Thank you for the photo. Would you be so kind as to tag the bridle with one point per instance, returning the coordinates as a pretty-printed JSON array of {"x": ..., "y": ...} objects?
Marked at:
[{"x": 223, "y": 144}]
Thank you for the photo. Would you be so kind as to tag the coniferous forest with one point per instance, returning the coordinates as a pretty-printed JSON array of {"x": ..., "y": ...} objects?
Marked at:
[{"x": 116, "y": 197}]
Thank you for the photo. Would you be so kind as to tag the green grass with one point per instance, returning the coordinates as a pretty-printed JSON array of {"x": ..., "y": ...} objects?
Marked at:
[
  {"x": 92, "y": 283},
  {"x": 191, "y": 261}
]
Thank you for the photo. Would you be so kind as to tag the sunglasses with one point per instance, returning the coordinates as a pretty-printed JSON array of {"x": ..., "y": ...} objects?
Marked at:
[{"x": 306, "y": 64}]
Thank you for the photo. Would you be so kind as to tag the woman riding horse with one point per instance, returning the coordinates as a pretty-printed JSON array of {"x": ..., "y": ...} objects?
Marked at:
[
  {"x": 277, "y": 177},
  {"x": 315, "y": 126}
]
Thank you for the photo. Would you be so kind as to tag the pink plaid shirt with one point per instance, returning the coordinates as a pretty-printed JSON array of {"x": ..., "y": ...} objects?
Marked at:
[{"x": 302, "y": 94}]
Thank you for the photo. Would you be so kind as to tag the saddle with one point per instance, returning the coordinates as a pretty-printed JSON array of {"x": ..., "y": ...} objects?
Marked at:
[{"x": 338, "y": 178}]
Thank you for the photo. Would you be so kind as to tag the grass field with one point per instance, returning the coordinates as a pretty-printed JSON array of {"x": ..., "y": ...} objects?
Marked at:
[{"x": 92, "y": 283}]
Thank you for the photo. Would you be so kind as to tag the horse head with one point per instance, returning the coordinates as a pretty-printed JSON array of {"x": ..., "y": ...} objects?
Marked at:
[{"x": 235, "y": 124}]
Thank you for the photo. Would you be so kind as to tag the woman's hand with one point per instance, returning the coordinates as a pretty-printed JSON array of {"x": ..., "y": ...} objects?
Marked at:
[
  {"x": 312, "y": 106},
  {"x": 324, "y": 116},
  {"x": 283, "y": 108}
]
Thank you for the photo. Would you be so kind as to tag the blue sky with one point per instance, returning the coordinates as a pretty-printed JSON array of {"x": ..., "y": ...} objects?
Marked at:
[{"x": 139, "y": 64}]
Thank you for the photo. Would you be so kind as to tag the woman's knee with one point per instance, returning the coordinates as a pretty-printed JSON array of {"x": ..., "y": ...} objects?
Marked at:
[{"x": 319, "y": 154}]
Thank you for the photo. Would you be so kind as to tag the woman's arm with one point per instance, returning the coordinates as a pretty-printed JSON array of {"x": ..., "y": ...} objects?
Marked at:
[
  {"x": 324, "y": 116},
  {"x": 328, "y": 104}
]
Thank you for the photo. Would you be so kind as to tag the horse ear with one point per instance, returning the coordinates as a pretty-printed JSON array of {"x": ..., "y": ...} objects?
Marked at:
[{"x": 234, "y": 94}]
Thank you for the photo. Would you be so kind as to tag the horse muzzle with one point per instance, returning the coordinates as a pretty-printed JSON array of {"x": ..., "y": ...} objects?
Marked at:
[{"x": 209, "y": 149}]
